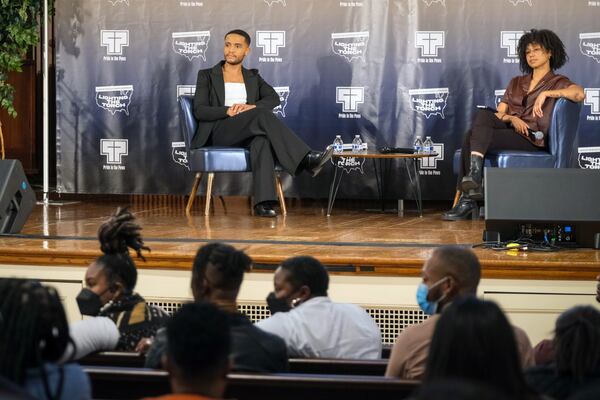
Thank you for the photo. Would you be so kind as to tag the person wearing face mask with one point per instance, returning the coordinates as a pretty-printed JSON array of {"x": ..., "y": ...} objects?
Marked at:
[
  {"x": 449, "y": 273},
  {"x": 217, "y": 274},
  {"x": 110, "y": 282},
  {"x": 310, "y": 323}
]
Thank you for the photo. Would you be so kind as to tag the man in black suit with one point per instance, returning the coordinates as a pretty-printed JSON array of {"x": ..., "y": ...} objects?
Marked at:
[{"x": 234, "y": 106}]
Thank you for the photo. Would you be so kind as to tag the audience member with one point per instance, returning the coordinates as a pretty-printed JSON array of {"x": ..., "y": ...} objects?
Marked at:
[
  {"x": 110, "y": 282},
  {"x": 197, "y": 354},
  {"x": 315, "y": 326},
  {"x": 449, "y": 273},
  {"x": 217, "y": 275},
  {"x": 33, "y": 336},
  {"x": 473, "y": 340},
  {"x": 577, "y": 355},
  {"x": 456, "y": 389}
]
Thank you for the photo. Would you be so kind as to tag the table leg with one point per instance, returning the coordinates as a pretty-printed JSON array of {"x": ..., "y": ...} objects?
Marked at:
[
  {"x": 415, "y": 184},
  {"x": 333, "y": 189}
]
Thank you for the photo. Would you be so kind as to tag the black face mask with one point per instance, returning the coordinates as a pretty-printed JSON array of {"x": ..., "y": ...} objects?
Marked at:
[
  {"x": 89, "y": 302},
  {"x": 277, "y": 305}
]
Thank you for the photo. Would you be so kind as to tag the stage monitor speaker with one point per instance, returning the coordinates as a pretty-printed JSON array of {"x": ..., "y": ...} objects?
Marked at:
[
  {"x": 560, "y": 205},
  {"x": 17, "y": 199}
]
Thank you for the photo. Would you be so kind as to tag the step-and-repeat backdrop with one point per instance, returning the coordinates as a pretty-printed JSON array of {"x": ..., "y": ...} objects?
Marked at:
[{"x": 389, "y": 70}]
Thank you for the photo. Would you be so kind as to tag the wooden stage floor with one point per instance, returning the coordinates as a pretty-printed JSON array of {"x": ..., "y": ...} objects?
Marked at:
[{"x": 351, "y": 241}]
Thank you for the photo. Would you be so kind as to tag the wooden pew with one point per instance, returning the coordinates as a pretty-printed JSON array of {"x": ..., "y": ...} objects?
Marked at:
[
  {"x": 135, "y": 383},
  {"x": 297, "y": 365}
]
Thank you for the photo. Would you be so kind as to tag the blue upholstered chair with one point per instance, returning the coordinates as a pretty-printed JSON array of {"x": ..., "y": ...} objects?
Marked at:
[
  {"x": 562, "y": 136},
  {"x": 213, "y": 159}
]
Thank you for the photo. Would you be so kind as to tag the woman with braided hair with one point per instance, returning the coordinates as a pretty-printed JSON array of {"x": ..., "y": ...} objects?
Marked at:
[
  {"x": 34, "y": 335},
  {"x": 110, "y": 282}
]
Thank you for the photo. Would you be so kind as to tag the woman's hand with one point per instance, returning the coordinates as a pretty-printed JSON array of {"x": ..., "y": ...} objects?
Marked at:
[
  {"x": 235, "y": 109},
  {"x": 539, "y": 102},
  {"x": 519, "y": 125}
]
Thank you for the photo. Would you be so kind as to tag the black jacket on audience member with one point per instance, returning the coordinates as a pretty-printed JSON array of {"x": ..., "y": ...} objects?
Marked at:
[
  {"x": 545, "y": 380},
  {"x": 252, "y": 350}
]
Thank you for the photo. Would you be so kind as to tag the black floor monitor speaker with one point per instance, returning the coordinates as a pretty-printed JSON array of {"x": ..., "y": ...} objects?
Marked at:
[
  {"x": 17, "y": 199},
  {"x": 557, "y": 205}
]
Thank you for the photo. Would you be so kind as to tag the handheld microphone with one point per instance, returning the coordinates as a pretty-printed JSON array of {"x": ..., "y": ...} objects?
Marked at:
[{"x": 535, "y": 135}]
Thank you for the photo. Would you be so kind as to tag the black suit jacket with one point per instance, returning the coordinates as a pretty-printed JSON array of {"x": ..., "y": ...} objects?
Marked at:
[{"x": 209, "y": 99}]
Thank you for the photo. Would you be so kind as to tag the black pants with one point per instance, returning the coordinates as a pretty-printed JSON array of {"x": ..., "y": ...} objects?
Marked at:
[
  {"x": 268, "y": 139},
  {"x": 489, "y": 133}
]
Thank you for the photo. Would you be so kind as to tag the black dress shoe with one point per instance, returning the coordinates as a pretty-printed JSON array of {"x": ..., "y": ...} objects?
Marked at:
[
  {"x": 264, "y": 210},
  {"x": 315, "y": 160},
  {"x": 465, "y": 208},
  {"x": 472, "y": 181}
]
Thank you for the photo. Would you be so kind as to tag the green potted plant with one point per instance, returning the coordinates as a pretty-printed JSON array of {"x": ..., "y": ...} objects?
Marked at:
[{"x": 19, "y": 32}]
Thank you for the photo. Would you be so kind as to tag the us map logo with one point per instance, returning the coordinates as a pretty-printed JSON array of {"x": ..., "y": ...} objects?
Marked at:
[
  {"x": 284, "y": 94},
  {"x": 428, "y": 3},
  {"x": 429, "y": 164},
  {"x": 349, "y": 97},
  {"x": 589, "y": 44},
  {"x": 349, "y": 164},
  {"x": 114, "y": 98},
  {"x": 509, "y": 41},
  {"x": 517, "y": 2},
  {"x": 429, "y": 42},
  {"x": 114, "y": 41},
  {"x": 592, "y": 99},
  {"x": 179, "y": 154},
  {"x": 429, "y": 102},
  {"x": 115, "y": 2},
  {"x": 114, "y": 150},
  {"x": 270, "y": 42},
  {"x": 271, "y": 2},
  {"x": 589, "y": 157},
  {"x": 191, "y": 44},
  {"x": 350, "y": 45}
]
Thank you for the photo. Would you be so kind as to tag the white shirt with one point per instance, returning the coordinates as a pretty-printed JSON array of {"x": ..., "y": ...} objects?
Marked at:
[
  {"x": 322, "y": 328},
  {"x": 91, "y": 335},
  {"x": 235, "y": 93}
]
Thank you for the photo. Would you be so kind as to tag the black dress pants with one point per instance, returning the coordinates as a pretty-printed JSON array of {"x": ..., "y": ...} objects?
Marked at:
[
  {"x": 268, "y": 139},
  {"x": 489, "y": 133}
]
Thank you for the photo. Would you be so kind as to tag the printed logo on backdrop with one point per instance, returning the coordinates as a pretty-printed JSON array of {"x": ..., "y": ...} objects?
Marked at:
[
  {"x": 498, "y": 95},
  {"x": 114, "y": 98},
  {"x": 191, "y": 4},
  {"x": 271, "y": 2},
  {"x": 270, "y": 42},
  {"x": 509, "y": 41},
  {"x": 429, "y": 102},
  {"x": 589, "y": 157},
  {"x": 284, "y": 94},
  {"x": 114, "y": 150},
  {"x": 350, "y": 45},
  {"x": 517, "y": 2},
  {"x": 114, "y": 41},
  {"x": 349, "y": 97},
  {"x": 191, "y": 44},
  {"x": 428, "y": 3},
  {"x": 349, "y": 164},
  {"x": 115, "y": 2},
  {"x": 352, "y": 3},
  {"x": 592, "y": 99},
  {"x": 186, "y": 89},
  {"x": 179, "y": 154},
  {"x": 429, "y": 42},
  {"x": 429, "y": 165},
  {"x": 589, "y": 44}
]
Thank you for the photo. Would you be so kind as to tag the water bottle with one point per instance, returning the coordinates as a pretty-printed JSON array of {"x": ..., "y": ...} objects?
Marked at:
[
  {"x": 356, "y": 144},
  {"x": 428, "y": 145},
  {"x": 418, "y": 146},
  {"x": 338, "y": 144}
]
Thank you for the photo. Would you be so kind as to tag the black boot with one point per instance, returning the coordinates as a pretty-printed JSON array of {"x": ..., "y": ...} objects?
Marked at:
[
  {"x": 316, "y": 160},
  {"x": 464, "y": 209},
  {"x": 472, "y": 181}
]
